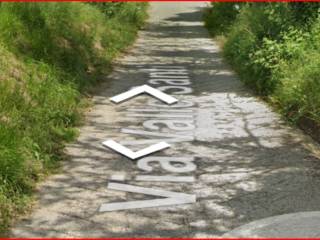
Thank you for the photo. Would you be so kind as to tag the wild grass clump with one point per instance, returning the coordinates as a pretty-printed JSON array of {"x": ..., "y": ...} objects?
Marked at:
[
  {"x": 38, "y": 107},
  {"x": 275, "y": 48},
  {"x": 75, "y": 37},
  {"x": 50, "y": 53}
]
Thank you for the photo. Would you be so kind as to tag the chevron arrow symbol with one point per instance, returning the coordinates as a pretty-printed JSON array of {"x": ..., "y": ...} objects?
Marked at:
[
  {"x": 144, "y": 89},
  {"x": 134, "y": 155}
]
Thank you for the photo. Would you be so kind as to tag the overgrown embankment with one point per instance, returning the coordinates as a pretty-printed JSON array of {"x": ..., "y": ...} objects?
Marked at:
[
  {"x": 50, "y": 54},
  {"x": 275, "y": 48}
]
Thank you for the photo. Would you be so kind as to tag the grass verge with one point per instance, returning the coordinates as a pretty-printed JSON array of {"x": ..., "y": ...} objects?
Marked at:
[{"x": 50, "y": 55}]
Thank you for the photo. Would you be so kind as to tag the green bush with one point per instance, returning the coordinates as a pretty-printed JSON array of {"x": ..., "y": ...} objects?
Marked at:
[
  {"x": 220, "y": 16},
  {"x": 304, "y": 13},
  {"x": 50, "y": 53},
  {"x": 298, "y": 95},
  {"x": 127, "y": 11},
  {"x": 251, "y": 44},
  {"x": 275, "y": 47}
]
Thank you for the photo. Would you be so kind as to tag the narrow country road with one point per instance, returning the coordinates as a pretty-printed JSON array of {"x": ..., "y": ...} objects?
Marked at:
[{"x": 229, "y": 149}]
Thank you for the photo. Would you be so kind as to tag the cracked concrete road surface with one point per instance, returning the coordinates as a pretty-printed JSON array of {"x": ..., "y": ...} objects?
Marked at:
[{"x": 239, "y": 159}]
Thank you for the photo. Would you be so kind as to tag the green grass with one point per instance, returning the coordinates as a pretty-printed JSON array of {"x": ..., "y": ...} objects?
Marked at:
[
  {"x": 275, "y": 49},
  {"x": 50, "y": 55}
]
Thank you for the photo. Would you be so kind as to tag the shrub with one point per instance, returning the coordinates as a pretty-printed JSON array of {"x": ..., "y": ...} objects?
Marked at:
[
  {"x": 299, "y": 92},
  {"x": 126, "y": 11},
  {"x": 251, "y": 44},
  {"x": 275, "y": 49},
  {"x": 220, "y": 16}
]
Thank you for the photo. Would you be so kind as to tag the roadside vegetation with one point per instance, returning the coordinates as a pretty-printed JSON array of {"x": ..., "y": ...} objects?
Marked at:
[
  {"x": 275, "y": 49},
  {"x": 50, "y": 55}
]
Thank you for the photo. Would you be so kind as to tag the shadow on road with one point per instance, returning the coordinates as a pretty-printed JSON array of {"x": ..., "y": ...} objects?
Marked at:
[{"x": 250, "y": 164}]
